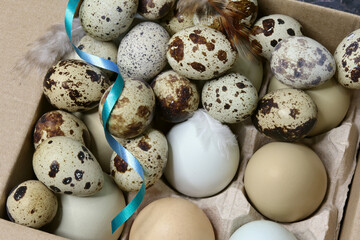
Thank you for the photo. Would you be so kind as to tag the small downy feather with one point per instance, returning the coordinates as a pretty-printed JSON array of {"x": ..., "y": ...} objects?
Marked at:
[{"x": 49, "y": 49}]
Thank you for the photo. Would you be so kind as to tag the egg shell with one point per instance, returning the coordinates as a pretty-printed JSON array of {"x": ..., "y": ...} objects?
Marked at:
[
  {"x": 262, "y": 230},
  {"x": 347, "y": 58},
  {"x": 133, "y": 111},
  {"x": 211, "y": 21},
  {"x": 172, "y": 218},
  {"x": 105, "y": 20},
  {"x": 302, "y": 62},
  {"x": 31, "y": 204},
  {"x": 268, "y": 31},
  {"x": 176, "y": 97},
  {"x": 203, "y": 156},
  {"x": 200, "y": 53},
  {"x": 74, "y": 85},
  {"x": 285, "y": 182},
  {"x": 142, "y": 52},
  {"x": 229, "y": 99},
  {"x": 175, "y": 22},
  {"x": 60, "y": 123},
  {"x": 155, "y": 9},
  {"x": 151, "y": 150},
  {"x": 285, "y": 115},
  {"x": 332, "y": 101},
  {"x": 66, "y": 166}
]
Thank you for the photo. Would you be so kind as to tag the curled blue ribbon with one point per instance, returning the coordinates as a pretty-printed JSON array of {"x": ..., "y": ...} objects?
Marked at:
[{"x": 109, "y": 104}]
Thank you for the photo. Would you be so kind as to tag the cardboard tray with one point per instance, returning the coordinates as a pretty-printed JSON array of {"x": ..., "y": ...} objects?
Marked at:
[{"x": 22, "y": 102}]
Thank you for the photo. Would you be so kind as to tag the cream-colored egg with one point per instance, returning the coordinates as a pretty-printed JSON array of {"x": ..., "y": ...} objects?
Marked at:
[
  {"x": 142, "y": 52},
  {"x": 31, "y": 204},
  {"x": 302, "y": 62},
  {"x": 200, "y": 53},
  {"x": 155, "y": 9},
  {"x": 171, "y": 218},
  {"x": 177, "y": 98},
  {"x": 332, "y": 101},
  {"x": 229, "y": 99},
  {"x": 151, "y": 150},
  {"x": 347, "y": 57},
  {"x": 105, "y": 20},
  {"x": 74, "y": 85},
  {"x": 66, "y": 166},
  {"x": 60, "y": 123},
  {"x": 268, "y": 31},
  {"x": 133, "y": 111},
  {"x": 285, "y": 115},
  {"x": 286, "y": 182},
  {"x": 89, "y": 218},
  {"x": 175, "y": 22}
]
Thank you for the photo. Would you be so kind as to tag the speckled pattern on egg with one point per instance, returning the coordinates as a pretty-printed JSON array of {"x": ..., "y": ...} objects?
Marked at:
[
  {"x": 285, "y": 114},
  {"x": 268, "y": 31},
  {"x": 229, "y": 99},
  {"x": 175, "y": 22},
  {"x": 302, "y": 62},
  {"x": 31, "y": 204},
  {"x": 142, "y": 52},
  {"x": 74, "y": 85},
  {"x": 134, "y": 110},
  {"x": 105, "y": 20},
  {"x": 60, "y": 123},
  {"x": 155, "y": 9},
  {"x": 347, "y": 58},
  {"x": 151, "y": 149},
  {"x": 200, "y": 53},
  {"x": 66, "y": 166},
  {"x": 176, "y": 97}
]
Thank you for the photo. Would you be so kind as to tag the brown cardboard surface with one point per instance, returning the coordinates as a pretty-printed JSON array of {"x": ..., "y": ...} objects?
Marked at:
[{"x": 23, "y": 21}]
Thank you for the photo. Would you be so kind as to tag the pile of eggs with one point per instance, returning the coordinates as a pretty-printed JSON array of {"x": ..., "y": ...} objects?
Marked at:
[{"x": 171, "y": 65}]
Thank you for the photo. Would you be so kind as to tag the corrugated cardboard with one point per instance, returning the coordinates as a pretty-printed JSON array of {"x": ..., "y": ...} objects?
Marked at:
[{"x": 23, "y": 21}]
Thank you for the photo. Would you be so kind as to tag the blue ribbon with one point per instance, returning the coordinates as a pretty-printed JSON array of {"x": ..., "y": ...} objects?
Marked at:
[{"x": 109, "y": 104}]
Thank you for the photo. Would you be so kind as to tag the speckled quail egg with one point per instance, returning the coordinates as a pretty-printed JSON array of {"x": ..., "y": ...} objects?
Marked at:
[
  {"x": 106, "y": 50},
  {"x": 66, "y": 166},
  {"x": 175, "y": 22},
  {"x": 151, "y": 150},
  {"x": 60, "y": 123},
  {"x": 31, "y": 204},
  {"x": 155, "y": 9},
  {"x": 200, "y": 53},
  {"x": 229, "y": 99},
  {"x": 347, "y": 58},
  {"x": 176, "y": 97},
  {"x": 285, "y": 114},
  {"x": 142, "y": 52},
  {"x": 105, "y": 20},
  {"x": 74, "y": 85},
  {"x": 302, "y": 62},
  {"x": 133, "y": 111},
  {"x": 268, "y": 31}
]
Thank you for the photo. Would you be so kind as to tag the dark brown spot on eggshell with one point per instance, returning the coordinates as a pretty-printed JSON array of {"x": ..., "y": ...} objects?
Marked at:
[
  {"x": 81, "y": 156},
  {"x": 67, "y": 180},
  {"x": 165, "y": 9},
  {"x": 143, "y": 145},
  {"x": 198, "y": 66},
  {"x": 294, "y": 112},
  {"x": 50, "y": 123},
  {"x": 20, "y": 193},
  {"x": 78, "y": 174},
  {"x": 265, "y": 105},
  {"x": 176, "y": 49},
  {"x": 55, "y": 189},
  {"x": 355, "y": 74},
  {"x": 68, "y": 192},
  {"x": 268, "y": 26},
  {"x": 54, "y": 169},
  {"x": 222, "y": 56},
  {"x": 143, "y": 111},
  {"x": 353, "y": 47},
  {"x": 47, "y": 81},
  {"x": 93, "y": 75},
  {"x": 87, "y": 185},
  {"x": 120, "y": 164}
]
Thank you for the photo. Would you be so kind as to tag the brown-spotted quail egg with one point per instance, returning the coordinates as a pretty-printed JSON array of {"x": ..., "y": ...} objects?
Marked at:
[
  {"x": 66, "y": 166},
  {"x": 285, "y": 115},
  {"x": 176, "y": 97},
  {"x": 151, "y": 150},
  {"x": 74, "y": 85},
  {"x": 200, "y": 53},
  {"x": 133, "y": 111},
  {"x": 105, "y": 20},
  {"x": 229, "y": 99},
  {"x": 302, "y": 62},
  {"x": 155, "y": 9},
  {"x": 107, "y": 50},
  {"x": 31, "y": 204},
  {"x": 347, "y": 58},
  {"x": 268, "y": 31},
  {"x": 175, "y": 22},
  {"x": 60, "y": 123},
  {"x": 142, "y": 52}
]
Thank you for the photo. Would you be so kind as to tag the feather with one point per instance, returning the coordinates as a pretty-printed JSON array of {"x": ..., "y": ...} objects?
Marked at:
[{"x": 49, "y": 49}]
